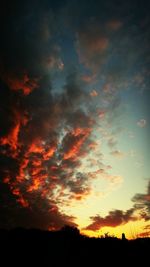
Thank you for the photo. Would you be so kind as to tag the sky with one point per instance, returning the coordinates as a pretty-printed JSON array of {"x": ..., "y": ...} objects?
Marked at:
[{"x": 74, "y": 116}]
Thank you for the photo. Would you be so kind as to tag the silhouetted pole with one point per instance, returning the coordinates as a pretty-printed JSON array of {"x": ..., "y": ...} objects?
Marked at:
[{"x": 123, "y": 236}]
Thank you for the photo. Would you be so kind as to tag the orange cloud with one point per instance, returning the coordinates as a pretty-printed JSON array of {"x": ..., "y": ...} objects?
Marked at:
[
  {"x": 144, "y": 234},
  {"x": 20, "y": 199},
  {"x": 36, "y": 148},
  {"x": 24, "y": 84},
  {"x": 21, "y": 174},
  {"x": 24, "y": 203},
  {"x": 12, "y": 138},
  {"x": 78, "y": 136},
  {"x": 16, "y": 192},
  {"x": 49, "y": 153},
  {"x": 34, "y": 186},
  {"x": 36, "y": 170},
  {"x": 93, "y": 93},
  {"x": 36, "y": 163}
]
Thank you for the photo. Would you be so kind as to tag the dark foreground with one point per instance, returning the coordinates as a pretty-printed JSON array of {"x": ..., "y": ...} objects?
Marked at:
[{"x": 20, "y": 247}]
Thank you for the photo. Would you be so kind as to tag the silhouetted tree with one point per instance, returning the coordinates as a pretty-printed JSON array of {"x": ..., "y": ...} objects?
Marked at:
[{"x": 70, "y": 230}]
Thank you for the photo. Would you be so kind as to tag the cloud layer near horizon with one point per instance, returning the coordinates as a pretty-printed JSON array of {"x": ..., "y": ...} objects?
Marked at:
[{"x": 119, "y": 217}]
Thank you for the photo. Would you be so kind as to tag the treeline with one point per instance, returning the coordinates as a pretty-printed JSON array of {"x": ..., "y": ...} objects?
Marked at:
[{"x": 67, "y": 247}]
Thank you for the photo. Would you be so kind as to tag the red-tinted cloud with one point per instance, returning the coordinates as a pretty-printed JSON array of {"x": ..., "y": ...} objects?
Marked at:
[
  {"x": 12, "y": 138},
  {"x": 144, "y": 234},
  {"x": 25, "y": 84},
  {"x": 113, "y": 219},
  {"x": 74, "y": 141},
  {"x": 38, "y": 165}
]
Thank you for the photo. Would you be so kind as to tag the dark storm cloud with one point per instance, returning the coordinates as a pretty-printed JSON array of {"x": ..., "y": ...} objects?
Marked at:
[
  {"x": 79, "y": 186},
  {"x": 41, "y": 215},
  {"x": 108, "y": 35},
  {"x": 27, "y": 43},
  {"x": 29, "y": 116},
  {"x": 113, "y": 219},
  {"x": 30, "y": 155},
  {"x": 33, "y": 120}
]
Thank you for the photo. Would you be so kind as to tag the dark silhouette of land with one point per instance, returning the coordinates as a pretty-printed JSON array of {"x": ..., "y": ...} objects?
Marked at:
[{"x": 67, "y": 247}]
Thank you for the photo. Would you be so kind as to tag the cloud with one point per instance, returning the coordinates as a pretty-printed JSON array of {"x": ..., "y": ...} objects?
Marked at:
[
  {"x": 43, "y": 140},
  {"x": 112, "y": 142},
  {"x": 43, "y": 135},
  {"x": 144, "y": 234},
  {"x": 91, "y": 46},
  {"x": 142, "y": 203},
  {"x": 73, "y": 142},
  {"x": 40, "y": 215},
  {"x": 88, "y": 78},
  {"x": 117, "y": 154},
  {"x": 93, "y": 93},
  {"x": 79, "y": 186},
  {"x": 147, "y": 227},
  {"x": 23, "y": 83},
  {"x": 142, "y": 123},
  {"x": 113, "y": 219},
  {"x": 119, "y": 217}
]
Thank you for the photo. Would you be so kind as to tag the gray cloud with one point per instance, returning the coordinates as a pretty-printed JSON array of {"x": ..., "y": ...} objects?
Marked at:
[
  {"x": 113, "y": 219},
  {"x": 142, "y": 203}
]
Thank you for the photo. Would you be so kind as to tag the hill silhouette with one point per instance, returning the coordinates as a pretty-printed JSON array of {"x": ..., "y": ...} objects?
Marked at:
[{"x": 67, "y": 247}]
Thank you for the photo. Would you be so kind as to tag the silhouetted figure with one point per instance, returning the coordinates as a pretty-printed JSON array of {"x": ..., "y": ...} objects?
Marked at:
[{"x": 123, "y": 236}]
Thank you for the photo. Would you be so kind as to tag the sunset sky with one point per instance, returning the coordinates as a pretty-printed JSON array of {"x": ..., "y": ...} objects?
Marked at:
[{"x": 74, "y": 115}]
